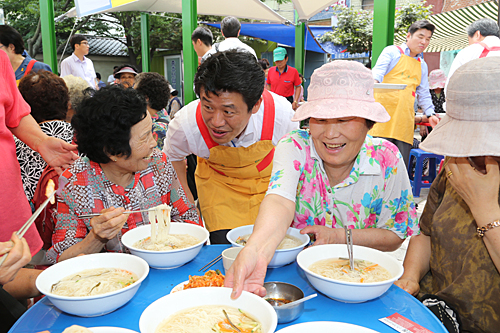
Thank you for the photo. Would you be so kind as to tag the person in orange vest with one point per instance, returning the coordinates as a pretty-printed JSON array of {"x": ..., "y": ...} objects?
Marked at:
[
  {"x": 12, "y": 43},
  {"x": 404, "y": 64},
  {"x": 233, "y": 129}
]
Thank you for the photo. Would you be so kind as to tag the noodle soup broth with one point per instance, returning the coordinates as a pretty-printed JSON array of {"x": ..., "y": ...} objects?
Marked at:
[
  {"x": 339, "y": 269},
  {"x": 349, "y": 291}
]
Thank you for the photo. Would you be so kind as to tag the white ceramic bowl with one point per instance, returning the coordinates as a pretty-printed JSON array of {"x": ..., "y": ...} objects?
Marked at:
[
  {"x": 166, "y": 306},
  {"x": 166, "y": 259},
  {"x": 91, "y": 306},
  {"x": 281, "y": 257},
  {"x": 349, "y": 292}
]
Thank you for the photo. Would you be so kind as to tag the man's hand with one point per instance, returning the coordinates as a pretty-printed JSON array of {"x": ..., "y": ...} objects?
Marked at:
[
  {"x": 433, "y": 120},
  {"x": 247, "y": 273}
]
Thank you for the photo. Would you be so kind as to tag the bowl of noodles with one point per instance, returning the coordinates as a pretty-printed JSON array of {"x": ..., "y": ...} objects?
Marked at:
[
  {"x": 202, "y": 310},
  {"x": 181, "y": 245},
  {"x": 327, "y": 269},
  {"x": 287, "y": 251},
  {"x": 93, "y": 284}
]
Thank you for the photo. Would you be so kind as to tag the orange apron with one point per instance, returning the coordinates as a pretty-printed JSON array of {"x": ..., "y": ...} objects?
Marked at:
[
  {"x": 233, "y": 181},
  {"x": 399, "y": 103}
]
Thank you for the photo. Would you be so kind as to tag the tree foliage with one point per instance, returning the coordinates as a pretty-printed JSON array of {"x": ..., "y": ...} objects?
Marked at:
[{"x": 355, "y": 27}]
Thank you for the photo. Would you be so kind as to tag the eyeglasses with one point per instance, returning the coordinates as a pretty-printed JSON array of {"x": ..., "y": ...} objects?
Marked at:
[
  {"x": 2, "y": 45},
  {"x": 84, "y": 43}
]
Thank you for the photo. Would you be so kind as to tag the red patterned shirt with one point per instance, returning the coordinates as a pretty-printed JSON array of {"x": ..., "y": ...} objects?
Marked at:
[{"x": 89, "y": 191}]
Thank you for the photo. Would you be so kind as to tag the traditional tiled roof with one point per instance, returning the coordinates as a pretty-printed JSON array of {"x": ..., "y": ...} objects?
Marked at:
[{"x": 104, "y": 46}]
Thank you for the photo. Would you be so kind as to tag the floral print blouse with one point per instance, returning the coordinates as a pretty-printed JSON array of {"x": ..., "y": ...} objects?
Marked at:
[
  {"x": 376, "y": 194},
  {"x": 160, "y": 127}
]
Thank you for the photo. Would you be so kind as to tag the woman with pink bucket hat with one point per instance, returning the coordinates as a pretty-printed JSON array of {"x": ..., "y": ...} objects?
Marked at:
[
  {"x": 331, "y": 176},
  {"x": 456, "y": 258},
  {"x": 437, "y": 79}
]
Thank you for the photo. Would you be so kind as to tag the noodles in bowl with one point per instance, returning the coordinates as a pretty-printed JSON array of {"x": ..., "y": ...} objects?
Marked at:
[
  {"x": 287, "y": 251},
  {"x": 209, "y": 319},
  {"x": 94, "y": 282},
  {"x": 161, "y": 239},
  {"x": 169, "y": 258},
  {"x": 338, "y": 269},
  {"x": 289, "y": 242},
  {"x": 92, "y": 300},
  {"x": 199, "y": 310},
  {"x": 348, "y": 291}
]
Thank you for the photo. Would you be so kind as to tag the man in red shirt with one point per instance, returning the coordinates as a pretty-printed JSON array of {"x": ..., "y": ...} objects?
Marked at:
[{"x": 283, "y": 79}]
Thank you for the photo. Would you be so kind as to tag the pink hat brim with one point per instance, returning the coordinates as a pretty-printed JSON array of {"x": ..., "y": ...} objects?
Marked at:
[{"x": 340, "y": 108}]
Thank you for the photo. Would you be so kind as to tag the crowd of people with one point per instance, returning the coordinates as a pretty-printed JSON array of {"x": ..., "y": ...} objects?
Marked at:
[{"x": 130, "y": 144}]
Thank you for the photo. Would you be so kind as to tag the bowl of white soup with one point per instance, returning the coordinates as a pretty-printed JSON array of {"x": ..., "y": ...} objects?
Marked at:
[
  {"x": 204, "y": 310},
  {"x": 327, "y": 269},
  {"x": 287, "y": 250},
  {"x": 181, "y": 244},
  {"x": 94, "y": 284}
]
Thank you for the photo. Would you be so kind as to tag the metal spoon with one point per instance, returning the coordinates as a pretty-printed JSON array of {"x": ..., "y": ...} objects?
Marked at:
[
  {"x": 348, "y": 238},
  {"x": 300, "y": 300}
]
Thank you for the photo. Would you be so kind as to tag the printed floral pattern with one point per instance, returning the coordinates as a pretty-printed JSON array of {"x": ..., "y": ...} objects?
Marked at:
[{"x": 376, "y": 194}]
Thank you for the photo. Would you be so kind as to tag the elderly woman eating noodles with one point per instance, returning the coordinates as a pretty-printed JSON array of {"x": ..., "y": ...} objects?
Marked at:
[
  {"x": 122, "y": 171},
  {"x": 333, "y": 175},
  {"x": 456, "y": 258}
]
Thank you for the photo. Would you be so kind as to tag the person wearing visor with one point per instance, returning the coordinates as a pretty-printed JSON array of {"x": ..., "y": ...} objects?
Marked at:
[
  {"x": 282, "y": 79},
  {"x": 125, "y": 75},
  {"x": 333, "y": 175},
  {"x": 456, "y": 258},
  {"x": 233, "y": 129}
]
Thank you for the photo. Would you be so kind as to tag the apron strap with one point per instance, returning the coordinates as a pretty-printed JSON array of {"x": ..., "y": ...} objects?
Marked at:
[
  {"x": 487, "y": 49},
  {"x": 29, "y": 67},
  {"x": 268, "y": 121},
  {"x": 402, "y": 53},
  {"x": 204, "y": 129}
]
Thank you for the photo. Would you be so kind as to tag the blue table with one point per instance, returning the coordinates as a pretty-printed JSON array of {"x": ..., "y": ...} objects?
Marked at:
[{"x": 45, "y": 316}]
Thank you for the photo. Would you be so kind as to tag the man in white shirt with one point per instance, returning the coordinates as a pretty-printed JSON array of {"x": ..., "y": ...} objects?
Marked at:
[
  {"x": 233, "y": 129},
  {"x": 483, "y": 42},
  {"x": 230, "y": 28},
  {"x": 202, "y": 40},
  {"x": 79, "y": 65}
]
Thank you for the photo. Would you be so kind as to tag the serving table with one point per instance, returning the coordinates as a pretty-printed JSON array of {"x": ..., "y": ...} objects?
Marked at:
[{"x": 45, "y": 316}]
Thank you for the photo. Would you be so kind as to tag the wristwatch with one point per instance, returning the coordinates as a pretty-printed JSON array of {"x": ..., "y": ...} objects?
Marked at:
[{"x": 481, "y": 231}]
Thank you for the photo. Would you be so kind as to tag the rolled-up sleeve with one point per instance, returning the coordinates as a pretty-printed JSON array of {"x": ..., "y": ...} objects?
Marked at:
[
  {"x": 423, "y": 94},
  {"x": 385, "y": 63}
]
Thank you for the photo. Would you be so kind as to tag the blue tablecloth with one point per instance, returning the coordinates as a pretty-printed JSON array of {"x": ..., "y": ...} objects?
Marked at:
[{"x": 45, "y": 316}]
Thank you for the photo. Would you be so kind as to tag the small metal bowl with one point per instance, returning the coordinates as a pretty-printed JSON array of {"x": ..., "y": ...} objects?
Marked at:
[{"x": 288, "y": 292}]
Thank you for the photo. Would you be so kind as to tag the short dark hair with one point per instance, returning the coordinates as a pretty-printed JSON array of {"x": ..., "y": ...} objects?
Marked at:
[
  {"x": 485, "y": 26},
  {"x": 98, "y": 75},
  {"x": 231, "y": 71},
  {"x": 370, "y": 123},
  {"x": 264, "y": 63},
  {"x": 47, "y": 95},
  {"x": 119, "y": 68},
  {"x": 9, "y": 35},
  {"x": 77, "y": 39},
  {"x": 155, "y": 87},
  {"x": 204, "y": 34},
  {"x": 230, "y": 26},
  {"x": 422, "y": 24},
  {"x": 102, "y": 123}
]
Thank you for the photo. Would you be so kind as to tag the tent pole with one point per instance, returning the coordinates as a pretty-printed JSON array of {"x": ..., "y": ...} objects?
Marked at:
[
  {"x": 48, "y": 34},
  {"x": 299, "y": 44},
  {"x": 146, "y": 66},
  {"x": 383, "y": 26},
  {"x": 189, "y": 22}
]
